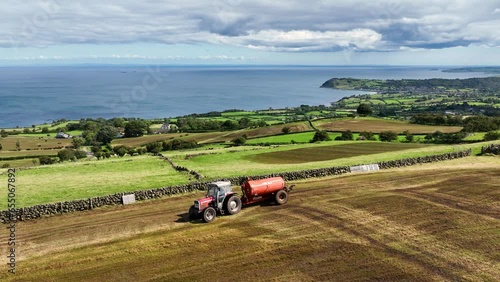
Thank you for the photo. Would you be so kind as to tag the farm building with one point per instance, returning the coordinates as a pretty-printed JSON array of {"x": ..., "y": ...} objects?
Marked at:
[
  {"x": 62, "y": 135},
  {"x": 165, "y": 128}
]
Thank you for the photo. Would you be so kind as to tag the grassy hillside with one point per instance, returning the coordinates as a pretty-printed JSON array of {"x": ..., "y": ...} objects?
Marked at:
[{"x": 426, "y": 223}]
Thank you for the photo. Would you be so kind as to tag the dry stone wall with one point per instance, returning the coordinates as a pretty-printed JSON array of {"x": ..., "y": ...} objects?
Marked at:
[
  {"x": 491, "y": 149},
  {"x": 38, "y": 211}
]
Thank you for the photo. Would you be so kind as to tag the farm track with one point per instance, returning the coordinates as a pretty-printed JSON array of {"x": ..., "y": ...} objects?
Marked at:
[{"x": 433, "y": 222}]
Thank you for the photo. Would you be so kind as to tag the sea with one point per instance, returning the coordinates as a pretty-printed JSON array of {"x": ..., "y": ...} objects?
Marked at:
[{"x": 42, "y": 94}]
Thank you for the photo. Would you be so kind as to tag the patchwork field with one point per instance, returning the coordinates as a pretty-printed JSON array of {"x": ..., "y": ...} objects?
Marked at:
[
  {"x": 268, "y": 160},
  {"x": 436, "y": 222},
  {"x": 264, "y": 131},
  {"x": 304, "y": 137},
  {"x": 378, "y": 125}
]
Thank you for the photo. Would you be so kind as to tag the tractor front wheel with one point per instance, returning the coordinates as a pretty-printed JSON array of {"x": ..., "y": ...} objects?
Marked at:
[
  {"x": 281, "y": 197},
  {"x": 209, "y": 214}
]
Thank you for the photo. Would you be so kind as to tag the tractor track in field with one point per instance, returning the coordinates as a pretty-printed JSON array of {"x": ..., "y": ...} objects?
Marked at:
[
  {"x": 454, "y": 203},
  {"x": 341, "y": 224}
]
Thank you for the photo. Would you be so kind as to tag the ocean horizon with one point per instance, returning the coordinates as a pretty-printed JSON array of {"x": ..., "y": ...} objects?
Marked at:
[{"x": 41, "y": 94}]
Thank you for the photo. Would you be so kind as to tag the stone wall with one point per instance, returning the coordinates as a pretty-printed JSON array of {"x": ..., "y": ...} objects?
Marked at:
[
  {"x": 38, "y": 211},
  {"x": 491, "y": 149},
  {"x": 178, "y": 168}
]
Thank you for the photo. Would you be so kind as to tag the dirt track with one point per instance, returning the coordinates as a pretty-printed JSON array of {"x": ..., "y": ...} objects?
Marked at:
[{"x": 430, "y": 222}]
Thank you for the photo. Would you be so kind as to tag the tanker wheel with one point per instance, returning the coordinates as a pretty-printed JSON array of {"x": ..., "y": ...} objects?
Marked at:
[
  {"x": 233, "y": 205},
  {"x": 193, "y": 214},
  {"x": 281, "y": 197},
  {"x": 209, "y": 214}
]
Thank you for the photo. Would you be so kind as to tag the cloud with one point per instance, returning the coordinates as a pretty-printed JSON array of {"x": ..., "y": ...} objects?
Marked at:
[
  {"x": 306, "y": 40},
  {"x": 278, "y": 25}
]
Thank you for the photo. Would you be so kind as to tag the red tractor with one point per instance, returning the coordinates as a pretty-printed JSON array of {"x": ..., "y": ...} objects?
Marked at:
[{"x": 221, "y": 199}]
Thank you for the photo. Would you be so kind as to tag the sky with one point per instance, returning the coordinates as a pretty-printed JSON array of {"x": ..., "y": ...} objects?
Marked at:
[{"x": 260, "y": 32}]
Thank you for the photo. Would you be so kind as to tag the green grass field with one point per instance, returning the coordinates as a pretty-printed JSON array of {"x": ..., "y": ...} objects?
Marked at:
[
  {"x": 302, "y": 137},
  {"x": 476, "y": 136},
  {"x": 84, "y": 179},
  {"x": 433, "y": 222}
]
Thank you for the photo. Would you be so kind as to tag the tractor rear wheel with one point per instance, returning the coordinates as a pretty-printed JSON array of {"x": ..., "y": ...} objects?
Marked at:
[
  {"x": 233, "y": 205},
  {"x": 193, "y": 213},
  {"x": 209, "y": 214},
  {"x": 281, "y": 197}
]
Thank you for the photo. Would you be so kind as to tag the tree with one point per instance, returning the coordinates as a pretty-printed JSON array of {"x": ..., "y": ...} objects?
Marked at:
[
  {"x": 489, "y": 136},
  {"x": 364, "y": 109},
  {"x": 118, "y": 122},
  {"x": 26, "y": 130},
  {"x": 229, "y": 125},
  {"x": 388, "y": 136},
  {"x": 244, "y": 122},
  {"x": 89, "y": 137},
  {"x": 79, "y": 154},
  {"x": 3, "y": 133},
  {"x": 346, "y": 135},
  {"x": 121, "y": 151},
  {"x": 46, "y": 160},
  {"x": 45, "y": 130},
  {"x": 77, "y": 142},
  {"x": 368, "y": 135},
  {"x": 408, "y": 136},
  {"x": 18, "y": 145},
  {"x": 98, "y": 155},
  {"x": 65, "y": 155},
  {"x": 320, "y": 135},
  {"x": 135, "y": 128},
  {"x": 155, "y": 147},
  {"x": 95, "y": 149},
  {"x": 262, "y": 123},
  {"x": 1, "y": 147},
  {"x": 285, "y": 130},
  {"x": 106, "y": 134},
  {"x": 239, "y": 141}
]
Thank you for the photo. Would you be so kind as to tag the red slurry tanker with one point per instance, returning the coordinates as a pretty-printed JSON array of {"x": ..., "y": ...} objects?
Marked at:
[{"x": 222, "y": 199}]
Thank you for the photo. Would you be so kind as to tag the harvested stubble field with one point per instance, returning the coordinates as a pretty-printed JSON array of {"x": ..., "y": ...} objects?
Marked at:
[
  {"x": 27, "y": 154},
  {"x": 324, "y": 153},
  {"x": 9, "y": 143},
  {"x": 431, "y": 222},
  {"x": 378, "y": 125}
]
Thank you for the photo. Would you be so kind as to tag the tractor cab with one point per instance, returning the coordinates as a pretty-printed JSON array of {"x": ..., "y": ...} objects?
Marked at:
[{"x": 218, "y": 191}]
